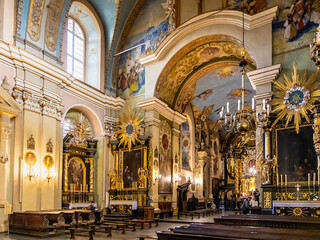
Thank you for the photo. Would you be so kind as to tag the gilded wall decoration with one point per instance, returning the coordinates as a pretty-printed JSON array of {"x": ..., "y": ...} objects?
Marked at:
[
  {"x": 267, "y": 199},
  {"x": 176, "y": 72},
  {"x": 31, "y": 143},
  {"x": 48, "y": 161},
  {"x": 30, "y": 159},
  {"x": 49, "y": 146},
  {"x": 52, "y": 23},
  {"x": 35, "y": 16},
  {"x": 18, "y": 17},
  {"x": 294, "y": 97},
  {"x": 130, "y": 129},
  {"x": 169, "y": 6}
]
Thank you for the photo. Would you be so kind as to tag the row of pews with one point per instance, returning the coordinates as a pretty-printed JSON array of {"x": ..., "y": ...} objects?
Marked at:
[
  {"x": 245, "y": 227},
  {"x": 199, "y": 212},
  {"x": 79, "y": 222}
]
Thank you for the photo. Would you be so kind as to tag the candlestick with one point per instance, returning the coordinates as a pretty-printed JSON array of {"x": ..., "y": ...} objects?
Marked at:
[
  {"x": 221, "y": 112},
  {"x": 308, "y": 179},
  {"x": 227, "y": 107},
  {"x": 239, "y": 105},
  {"x": 268, "y": 109},
  {"x": 314, "y": 178},
  {"x": 281, "y": 182},
  {"x": 285, "y": 180},
  {"x": 277, "y": 179},
  {"x": 252, "y": 103}
]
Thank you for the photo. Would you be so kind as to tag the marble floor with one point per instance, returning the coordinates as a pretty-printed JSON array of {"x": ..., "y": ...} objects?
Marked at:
[{"x": 116, "y": 235}]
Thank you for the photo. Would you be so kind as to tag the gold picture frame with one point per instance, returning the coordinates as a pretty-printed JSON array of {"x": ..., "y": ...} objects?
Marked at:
[
  {"x": 30, "y": 159},
  {"x": 48, "y": 161}
]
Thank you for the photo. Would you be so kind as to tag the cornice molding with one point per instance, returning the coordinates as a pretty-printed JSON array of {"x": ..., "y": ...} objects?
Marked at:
[
  {"x": 264, "y": 76},
  {"x": 225, "y": 17},
  {"x": 20, "y": 59},
  {"x": 155, "y": 104}
]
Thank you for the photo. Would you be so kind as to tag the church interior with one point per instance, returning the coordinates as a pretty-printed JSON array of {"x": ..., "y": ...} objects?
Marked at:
[{"x": 160, "y": 119}]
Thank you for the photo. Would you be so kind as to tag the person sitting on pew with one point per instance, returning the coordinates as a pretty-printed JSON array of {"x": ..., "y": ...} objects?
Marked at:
[{"x": 245, "y": 205}]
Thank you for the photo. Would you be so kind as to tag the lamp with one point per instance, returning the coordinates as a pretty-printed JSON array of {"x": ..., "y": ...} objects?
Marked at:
[
  {"x": 242, "y": 120},
  {"x": 51, "y": 175},
  {"x": 31, "y": 174}
]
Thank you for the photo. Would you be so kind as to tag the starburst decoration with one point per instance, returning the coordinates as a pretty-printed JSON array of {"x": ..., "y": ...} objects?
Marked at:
[
  {"x": 294, "y": 97},
  {"x": 129, "y": 129}
]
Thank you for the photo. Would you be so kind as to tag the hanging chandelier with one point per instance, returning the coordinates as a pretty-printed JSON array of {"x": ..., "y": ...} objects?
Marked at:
[{"x": 245, "y": 118}]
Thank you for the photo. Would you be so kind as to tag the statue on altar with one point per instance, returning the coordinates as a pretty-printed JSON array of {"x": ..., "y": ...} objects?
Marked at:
[
  {"x": 113, "y": 179},
  {"x": 142, "y": 178},
  {"x": 268, "y": 169}
]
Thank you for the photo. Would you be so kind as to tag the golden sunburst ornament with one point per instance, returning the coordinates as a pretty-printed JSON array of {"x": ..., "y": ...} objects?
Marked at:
[
  {"x": 129, "y": 129},
  {"x": 294, "y": 97}
]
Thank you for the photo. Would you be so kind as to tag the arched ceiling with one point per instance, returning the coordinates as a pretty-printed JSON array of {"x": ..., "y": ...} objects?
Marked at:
[{"x": 205, "y": 73}]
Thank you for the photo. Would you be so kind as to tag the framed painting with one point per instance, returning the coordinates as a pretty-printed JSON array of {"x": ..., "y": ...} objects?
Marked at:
[
  {"x": 129, "y": 164},
  {"x": 165, "y": 177},
  {"x": 296, "y": 154},
  {"x": 76, "y": 174}
]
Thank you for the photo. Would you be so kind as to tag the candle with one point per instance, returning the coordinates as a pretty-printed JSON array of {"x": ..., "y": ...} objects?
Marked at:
[
  {"x": 221, "y": 112},
  {"x": 239, "y": 105},
  {"x": 277, "y": 180},
  {"x": 309, "y": 179},
  {"x": 263, "y": 105},
  {"x": 285, "y": 180},
  {"x": 227, "y": 107},
  {"x": 319, "y": 177},
  {"x": 252, "y": 103},
  {"x": 314, "y": 178},
  {"x": 268, "y": 109},
  {"x": 281, "y": 182}
]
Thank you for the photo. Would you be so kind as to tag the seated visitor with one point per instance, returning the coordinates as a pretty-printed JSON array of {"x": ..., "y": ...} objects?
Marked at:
[
  {"x": 245, "y": 205},
  {"x": 91, "y": 206}
]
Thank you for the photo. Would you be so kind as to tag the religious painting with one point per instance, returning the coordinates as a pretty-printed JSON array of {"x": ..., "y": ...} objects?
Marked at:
[
  {"x": 295, "y": 25},
  {"x": 144, "y": 38},
  {"x": 48, "y": 161},
  {"x": 132, "y": 161},
  {"x": 31, "y": 143},
  {"x": 165, "y": 177},
  {"x": 49, "y": 146},
  {"x": 250, "y": 6},
  {"x": 296, "y": 154},
  {"x": 165, "y": 138},
  {"x": 186, "y": 143},
  {"x": 30, "y": 159},
  {"x": 76, "y": 174}
]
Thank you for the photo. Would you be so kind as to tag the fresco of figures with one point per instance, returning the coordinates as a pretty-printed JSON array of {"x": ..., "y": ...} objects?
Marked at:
[{"x": 147, "y": 36}]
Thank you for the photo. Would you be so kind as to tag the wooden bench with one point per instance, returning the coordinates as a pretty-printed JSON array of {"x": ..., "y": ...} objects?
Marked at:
[
  {"x": 79, "y": 232},
  {"x": 143, "y": 237},
  {"x": 143, "y": 221},
  {"x": 115, "y": 226},
  {"x": 270, "y": 221}
]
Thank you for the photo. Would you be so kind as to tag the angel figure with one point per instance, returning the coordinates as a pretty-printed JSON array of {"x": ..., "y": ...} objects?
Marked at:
[{"x": 113, "y": 179}]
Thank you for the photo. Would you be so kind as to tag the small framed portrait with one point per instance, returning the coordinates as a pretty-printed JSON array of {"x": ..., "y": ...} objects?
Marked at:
[
  {"x": 48, "y": 161},
  {"x": 30, "y": 159}
]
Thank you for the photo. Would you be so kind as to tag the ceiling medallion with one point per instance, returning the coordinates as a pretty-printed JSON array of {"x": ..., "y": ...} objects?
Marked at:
[
  {"x": 295, "y": 97},
  {"x": 129, "y": 129}
]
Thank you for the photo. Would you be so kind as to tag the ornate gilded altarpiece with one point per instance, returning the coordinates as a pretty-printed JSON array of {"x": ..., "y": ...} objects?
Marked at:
[{"x": 78, "y": 170}]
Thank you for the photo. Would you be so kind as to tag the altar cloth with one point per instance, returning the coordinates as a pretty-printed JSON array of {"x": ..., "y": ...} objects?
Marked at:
[{"x": 134, "y": 204}]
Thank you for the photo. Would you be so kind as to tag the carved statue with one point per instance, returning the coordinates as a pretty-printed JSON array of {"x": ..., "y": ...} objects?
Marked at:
[
  {"x": 268, "y": 169},
  {"x": 113, "y": 179},
  {"x": 142, "y": 178}
]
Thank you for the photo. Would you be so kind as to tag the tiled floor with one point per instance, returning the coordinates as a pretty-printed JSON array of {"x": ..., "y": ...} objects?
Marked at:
[{"x": 116, "y": 235}]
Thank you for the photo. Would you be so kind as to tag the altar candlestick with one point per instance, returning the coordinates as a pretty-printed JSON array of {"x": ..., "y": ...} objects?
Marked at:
[
  {"x": 268, "y": 109},
  {"x": 314, "y": 178},
  {"x": 264, "y": 105},
  {"x": 227, "y": 107},
  {"x": 221, "y": 112},
  {"x": 309, "y": 179},
  {"x": 281, "y": 182},
  {"x": 318, "y": 177},
  {"x": 252, "y": 103},
  {"x": 239, "y": 105},
  {"x": 277, "y": 179},
  {"x": 285, "y": 180}
]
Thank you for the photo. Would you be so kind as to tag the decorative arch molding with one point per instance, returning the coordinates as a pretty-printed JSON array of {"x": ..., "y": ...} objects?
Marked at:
[
  {"x": 258, "y": 30},
  {"x": 97, "y": 127},
  {"x": 214, "y": 50}
]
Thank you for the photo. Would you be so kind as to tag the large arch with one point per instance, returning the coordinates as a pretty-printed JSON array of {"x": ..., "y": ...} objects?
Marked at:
[
  {"x": 258, "y": 29},
  {"x": 97, "y": 127}
]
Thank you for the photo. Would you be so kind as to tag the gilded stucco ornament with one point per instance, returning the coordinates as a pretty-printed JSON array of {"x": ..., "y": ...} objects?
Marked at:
[
  {"x": 294, "y": 97},
  {"x": 52, "y": 23},
  {"x": 129, "y": 128},
  {"x": 169, "y": 6},
  {"x": 35, "y": 16}
]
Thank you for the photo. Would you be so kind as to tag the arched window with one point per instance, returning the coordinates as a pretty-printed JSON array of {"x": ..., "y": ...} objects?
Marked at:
[{"x": 75, "y": 49}]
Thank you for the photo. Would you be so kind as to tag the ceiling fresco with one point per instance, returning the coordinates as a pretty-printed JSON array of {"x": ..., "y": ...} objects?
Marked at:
[{"x": 218, "y": 87}]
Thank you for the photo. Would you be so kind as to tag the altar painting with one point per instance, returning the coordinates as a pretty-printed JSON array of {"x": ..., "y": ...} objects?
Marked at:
[
  {"x": 148, "y": 35},
  {"x": 76, "y": 174},
  {"x": 165, "y": 177},
  {"x": 296, "y": 154},
  {"x": 130, "y": 162}
]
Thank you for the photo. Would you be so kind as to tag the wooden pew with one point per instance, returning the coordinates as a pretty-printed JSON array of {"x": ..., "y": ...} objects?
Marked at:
[
  {"x": 270, "y": 221},
  {"x": 142, "y": 222}
]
